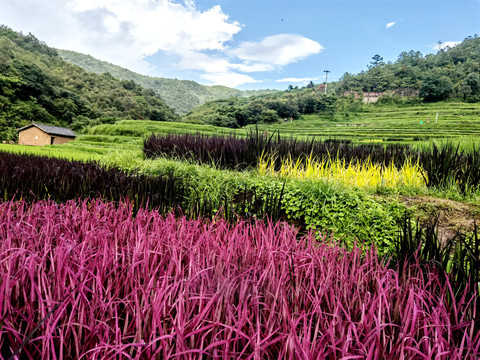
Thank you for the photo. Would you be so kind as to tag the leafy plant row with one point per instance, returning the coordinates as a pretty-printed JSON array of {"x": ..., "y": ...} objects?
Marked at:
[
  {"x": 322, "y": 206},
  {"x": 31, "y": 178},
  {"x": 443, "y": 166},
  {"x": 89, "y": 280}
]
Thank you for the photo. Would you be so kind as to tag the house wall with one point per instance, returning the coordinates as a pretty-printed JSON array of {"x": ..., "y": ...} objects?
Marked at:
[
  {"x": 61, "y": 140},
  {"x": 35, "y": 136}
]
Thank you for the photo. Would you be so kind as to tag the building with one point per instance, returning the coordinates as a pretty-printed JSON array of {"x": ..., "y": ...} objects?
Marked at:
[{"x": 40, "y": 134}]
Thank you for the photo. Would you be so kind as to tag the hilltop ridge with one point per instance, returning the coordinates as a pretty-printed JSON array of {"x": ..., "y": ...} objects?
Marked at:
[{"x": 182, "y": 95}]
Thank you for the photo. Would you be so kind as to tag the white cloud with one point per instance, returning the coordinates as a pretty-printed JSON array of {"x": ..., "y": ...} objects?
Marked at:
[
  {"x": 123, "y": 32},
  {"x": 295, "y": 80},
  {"x": 278, "y": 50},
  {"x": 390, "y": 24},
  {"x": 446, "y": 44},
  {"x": 126, "y": 32},
  {"x": 228, "y": 78}
]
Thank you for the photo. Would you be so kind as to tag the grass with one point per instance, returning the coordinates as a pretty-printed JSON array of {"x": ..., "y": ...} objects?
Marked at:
[
  {"x": 89, "y": 280},
  {"x": 457, "y": 122},
  {"x": 141, "y": 129},
  {"x": 408, "y": 177}
]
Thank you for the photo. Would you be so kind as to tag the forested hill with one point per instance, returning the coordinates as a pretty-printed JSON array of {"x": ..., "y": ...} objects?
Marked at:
[
  {"x": 457, "y": 67},
  {"x": 38, "y": 85},
  {"x": 182, "y": 95}
]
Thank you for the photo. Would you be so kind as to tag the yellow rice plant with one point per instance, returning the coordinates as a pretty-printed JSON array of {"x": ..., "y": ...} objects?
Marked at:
[{"x": 359, "y": 174}]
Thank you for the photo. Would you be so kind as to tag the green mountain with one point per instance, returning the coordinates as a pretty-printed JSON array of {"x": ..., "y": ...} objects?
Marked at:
[
  {"x": 182, "y": 95},
  {"x": 452, "y": 72},
  {"x": 38, "y": 85}
]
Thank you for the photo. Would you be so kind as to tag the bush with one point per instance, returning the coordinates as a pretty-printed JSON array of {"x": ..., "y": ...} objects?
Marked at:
[
  {"x": 435, "y": 89},
  {"x": 221, "y": 120}
]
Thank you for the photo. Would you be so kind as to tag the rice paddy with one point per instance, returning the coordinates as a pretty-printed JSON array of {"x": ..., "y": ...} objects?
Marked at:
[
  {"x": 361, "y": 174},
  {"x": 242, "y": 246}
]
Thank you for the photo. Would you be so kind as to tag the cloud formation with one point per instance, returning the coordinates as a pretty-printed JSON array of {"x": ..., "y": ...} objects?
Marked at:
[
  {"x": 390, "y": 24},
  {"x": 277, "y": 50},
  {"x": 127, "y": 32},
  {"x": 444, "y": 45}
]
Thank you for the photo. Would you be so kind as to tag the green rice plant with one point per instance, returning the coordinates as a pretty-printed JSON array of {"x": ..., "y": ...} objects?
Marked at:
[{"x": 362, "y": 174}]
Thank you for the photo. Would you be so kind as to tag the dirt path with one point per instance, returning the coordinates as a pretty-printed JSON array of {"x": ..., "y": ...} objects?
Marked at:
[{"x": 453, "y": 216}]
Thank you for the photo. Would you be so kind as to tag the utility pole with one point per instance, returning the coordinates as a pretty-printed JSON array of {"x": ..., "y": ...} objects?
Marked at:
[{"x": 326, "y": 77}]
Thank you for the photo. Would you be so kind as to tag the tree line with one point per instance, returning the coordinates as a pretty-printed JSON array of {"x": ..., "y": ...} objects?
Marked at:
[
  {"x": 452, "y": 72},
  {"x": 37, "y": 85},
  {"x": 282, "y": 106}
]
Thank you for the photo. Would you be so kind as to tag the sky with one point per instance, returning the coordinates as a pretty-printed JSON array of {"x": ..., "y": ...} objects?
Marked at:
[{"x": 246, "y": 44}]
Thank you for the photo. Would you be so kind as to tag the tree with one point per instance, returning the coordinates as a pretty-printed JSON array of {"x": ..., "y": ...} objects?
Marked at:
[
  {"x": 435, "y": 89},
  {"x": 377, "y": 60},
  {"x": 471, "y": 86}
]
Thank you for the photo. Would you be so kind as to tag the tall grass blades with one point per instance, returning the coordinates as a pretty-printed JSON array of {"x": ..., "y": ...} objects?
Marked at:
[
  {"x": 360, "y": 174},
  {"x": 34, "y": 177},
  {"x": 235, "y": 152},
  {"x": 227, "y": 151},
  {"x": 90, "y": 281},
  {"x": 444, "y": 166},
  {"x": 458, "y": 256}
]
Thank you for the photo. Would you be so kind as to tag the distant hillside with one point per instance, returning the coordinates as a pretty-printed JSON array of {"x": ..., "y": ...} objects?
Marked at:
[
  {"x": 452, "y": 72},
  {"x": 182, "y": 95},
  {"x": 37, "y": 85}
]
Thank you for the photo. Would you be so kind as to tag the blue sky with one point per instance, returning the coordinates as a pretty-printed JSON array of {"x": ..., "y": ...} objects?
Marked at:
[{"x": 247, "y": 44}]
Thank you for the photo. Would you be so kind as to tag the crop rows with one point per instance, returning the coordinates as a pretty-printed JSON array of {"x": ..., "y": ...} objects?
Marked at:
[
  {"x": 31, "y": 178},
  {"x": 443, "y": 166},
  {"x": 90, "y": 280},
  {"x": 361, "y": 175}
]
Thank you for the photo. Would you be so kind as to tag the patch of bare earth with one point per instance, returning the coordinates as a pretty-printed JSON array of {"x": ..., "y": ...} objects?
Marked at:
[{"x": 453, "y": 216}]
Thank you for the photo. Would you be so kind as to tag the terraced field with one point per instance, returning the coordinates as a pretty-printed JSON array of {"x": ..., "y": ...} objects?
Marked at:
[
  {"x": 116, "y": 207},
  {"x": 456, "y": 121}
]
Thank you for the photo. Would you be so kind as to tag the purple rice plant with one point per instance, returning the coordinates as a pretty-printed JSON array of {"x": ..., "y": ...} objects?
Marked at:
[
  {"x": 444, "y": 166},
  {"x": 33, "y": 178},
  {"x": 88, "y": 280}
]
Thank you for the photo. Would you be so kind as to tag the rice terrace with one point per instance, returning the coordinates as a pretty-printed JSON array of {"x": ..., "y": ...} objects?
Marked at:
[{"x": 143, "y": 217}]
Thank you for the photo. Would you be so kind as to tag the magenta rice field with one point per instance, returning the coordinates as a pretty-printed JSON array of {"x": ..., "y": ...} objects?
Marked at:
[{"x": 90, "y": 280}]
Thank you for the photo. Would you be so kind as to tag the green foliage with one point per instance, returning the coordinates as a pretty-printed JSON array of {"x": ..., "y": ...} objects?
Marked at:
[
  {"x": 265, "y": 109},
  {"x": 37, "y": 85},
  {"x": 181, "y": 95},
  {"x": 349, "y": 214},
  {"x": 221, "y": 120},
  {"x": 471, "y": 86},
  {"x": 377, "y": 60},
  {"x": 412, "y": 70},
  {"x": 435, "y": 89}
]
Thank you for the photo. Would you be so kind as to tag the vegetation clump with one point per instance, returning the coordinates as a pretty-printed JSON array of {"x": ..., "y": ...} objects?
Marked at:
[
  {"x": 90, "y": 280},
  {"x": 356, "y": 173},
  {"x": 439, "y": 166}
]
